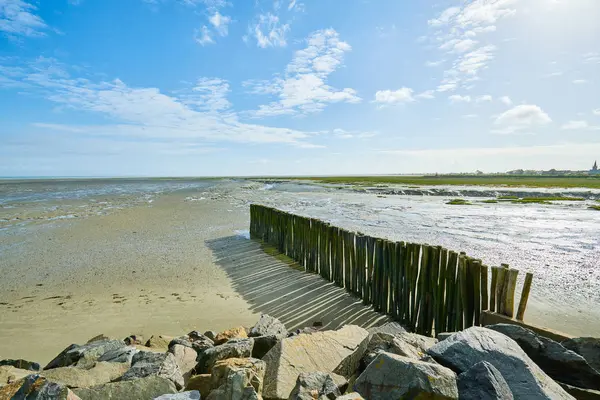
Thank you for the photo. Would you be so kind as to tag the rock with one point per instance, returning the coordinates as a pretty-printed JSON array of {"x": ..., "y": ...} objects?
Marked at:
[
  {"x": 100, "y": 373},
  {"x": 587, "y": 347},
  {"x": 211, "y": 335},
  {"x": 224, "y": 393},
  {"x": 201, "y": 383},
  {"x": 559, "y": 363},
  {"x": 581, "y": 394},
  {"x": 147, "y": 363},
  {"x": 473, "y": 345},
  {"x": 133, "y": 340},
  {"x": 10, "y": 374},
  {"x": 391, "y": 328},
  {"x": 121, "y": 355},
  {"x": 35, "y": 387},
  {"x": 262, "y": 345},
  {"x": 183, "y": 341},
  {"x": 99, "y": 338},
  {"x": 268, "y": 326},
  {"x": 235, "y": 374},
  {"x": 191, "y": 395},
  {"x": 237, "y": 348},
  {"x": 233, "y": 333},
  {"x": 351, "y": 396},
  {"x": 483, "y": 382},
  {"x": 159, "y": 342},
  {"x": 185, "y": 357},
  {"x": 403, "y": 344},
  {"x": 307, "y": 331},
  {"x": 328, "y": 351},
  {"x": 444, "y": 335},
  {"x": 390, "y": 376},
  {"x": 84, "y": 356},
  {"x": 318, "y": 385},
  {"x": 137, "y": 389},
  {"x": 21, "y": 364}
]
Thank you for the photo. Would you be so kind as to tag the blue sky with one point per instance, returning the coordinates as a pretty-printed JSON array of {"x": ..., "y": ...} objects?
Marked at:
[{"x": 301, "y": 87}]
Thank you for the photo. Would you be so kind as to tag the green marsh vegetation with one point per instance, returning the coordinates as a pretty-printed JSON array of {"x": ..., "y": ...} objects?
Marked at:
[
  {"x": 459, "y": 202},
  {"x": 597, "y": 208}
]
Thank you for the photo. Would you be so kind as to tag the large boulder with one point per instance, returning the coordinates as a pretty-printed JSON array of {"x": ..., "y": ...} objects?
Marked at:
[
  {"x": 268, "y": 326},
  {"x": 21, "y": 364},
  {"x": 403, "y": 344},
  {"x": 318, "y": 385},
  {"x": 9, "y": 374},
  {"x": 201, "y": 383},
  {"x": 558, "y": 362},
  {"x": 159, "y": 342},
  {"x": 473, "y": 345},
  {"x": 137, "y": 389},
  {"x": 351, "y": 396},
  {"x": 101, "y": 372},
  {"x": 390, "y": 376},
  {"x": 587, "y": 347},
  {"x": 233, "y": 333},
  {"x": 328, "y": 351},
  {"x": 483, "y": 382},
  {"x": 191, "y": 395},
  {"x": 84, "y": 356},
  {"x": 391, "y": 328},
  {"x": 237, "y": 378},
  {"x": 581, "y": 394},
  {"x": 263, "y": 344},
  {"x": 36, "y": 387},
  {"x": 236, "y": 348},
  {"x": 147, "y": 363},
  {"x": 185, "y": 357},
  {"x": 120, "y": 355}
]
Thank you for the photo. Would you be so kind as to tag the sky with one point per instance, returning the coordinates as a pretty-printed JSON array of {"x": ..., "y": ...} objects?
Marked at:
[{"x": 297, "y": 87}]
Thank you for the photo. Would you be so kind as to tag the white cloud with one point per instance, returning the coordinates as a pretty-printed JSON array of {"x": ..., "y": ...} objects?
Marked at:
[
  {"x": 458, "y": 45},
  {"x": 470, "y": 116},
  {"x": 596, "y": 111},
  {"x": 553, "y": 74},
  {"x": 18, "y": 18},
  {"x": 434, "y": 63},
  {"x": 455, "y": 98},
  {"x": 579, "y": 81},
  {"x": 575, "y": 125},
  {"x": 220, "y": 23},
  {"x": 505, "y": 100},
  {"x": 303, "y": 88},
  {"x": 521, "y": 117},
  {"x": 268, "y": 31},
  {"x": 202, "y": 36},
  {"x": 428, "y": 94},
  {"x": 402, "y": 95},
  {"x": 209, "y": 94},
  {"x": 591, "y": 58},
  {"x": 444, "y": 17},
  {"x": 483, "y": 98},
  {"x": 344, "y": 134}
]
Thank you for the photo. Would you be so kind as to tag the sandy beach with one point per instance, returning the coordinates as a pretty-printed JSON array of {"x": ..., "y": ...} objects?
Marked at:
[{"x": 173, "y": 264}]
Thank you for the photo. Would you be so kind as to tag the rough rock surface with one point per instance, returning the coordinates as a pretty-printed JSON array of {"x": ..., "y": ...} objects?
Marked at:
[
  {"x": 262, "y": 345},
  {"x": 268, "y": 326},
  {"x": 403, "y": 344},
  {"x": 391, "y": 328},
  {"x": 318, "y": 385},
  {"x": 137, "y": 389},
  {"x": 473, "y": 345},
  {"x": 390, "y": 376},
  {"x": 560, "y": 363},
  {"x": 247, "y": 371},
  {"x": 587, "y": 347},
  {"x": 444, "y": 335},
  {"x": 121, "y": 355},
  {"x": 191, "y": 395},
  {"x": 233, "y": 349},
  {"x": 132, "y": 340},
  {"x": 483, "y": 382},
  {"x": 84, "y": 356},
  {"x": 9, "y": 374},
  {"x": 101, "y": 372},
  {"x": 159, "y": 342},
  {"x": 211, "y": 335},
  {"x": 185, "y": 357},
  {"x": 321, "y": 351},
  {"x": 201, "y": 383},
  {"x": 21, "y": 364},
  {"x": 351, "y": 396},
  {"x": 581, "y": 394},
  {"x": 147, "y": 363},
  {"x": 233, "y": 333},
  {"x": 35, "y": 387}
]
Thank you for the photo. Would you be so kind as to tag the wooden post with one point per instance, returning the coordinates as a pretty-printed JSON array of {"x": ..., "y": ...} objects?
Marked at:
[
  {"x": 524, "y": 296},
  {"x": 511, "y": 283},
  {"x": 476, "y": 269},
  {"x": 451, "y": 291},
  {"x": 493, "y": 288},
  {"x": 462, "y": 315},
  {"x": 501, "y": 289},
  {"x": 485, "y": 304}
]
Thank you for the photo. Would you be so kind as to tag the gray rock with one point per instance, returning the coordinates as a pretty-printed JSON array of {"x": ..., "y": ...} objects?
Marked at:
[
  {"x": 403, "y": 344},
  {"x": 9, "y": 374},
  {"x": 36, "y": 387},
  {"x": 262, "y": 345},
  {"x": 100, "y": 373},
  {"x": 201, "y": 342},
  {"x": 84, "y": 356},
  {"x": 211, "y": 335},
  {"x": 121, "y": 355},
  {"x": 321, "y": 385},
  {"x": 327, "y": 351},
  {"x": 235, "y": 348},
  {"x": 390, "y": 376},
  {"x": 21, "y": 364},
  {"x": 146, "y": 363},
  {"x": 483, "y": 382},
  {"x": 391, "y": 328},
  {"x": 191, "y": 395},
  {"x": 268, "y": 326},
  {"x": 559, "y": 363},
  {"x": 351, "y": 396},
  {"x": 444, "y": 335},
  {"x": 224, "y": 393},
  {"x": 473, "y": 345},
  {"x": 137, "y": 389},
  {"x": 587, "y": 347},
  {"x": 185, "y": 357},
  {"x": 233, "y": 377},
  {"x": 182, "y": 340},
  {"x": 581, "y": 394}
]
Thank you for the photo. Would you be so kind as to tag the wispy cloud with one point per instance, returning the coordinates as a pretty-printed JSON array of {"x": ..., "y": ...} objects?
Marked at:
[
  {"x": 519, "y": 118},
  {"x": 202, "y": 36},
  {"x": 302, "y": 89},
  {"x": 580, "y": 81},
  {"x": 389, "y": 97},
  {"x": 18, "y": 18},
  {"x": 269, "y": 31},
  {"x": 456, "y": 98},
  {"x": 484, "y": 98},
  {"x": 505, "y": 100},
  {"x": 579, "y": 125},
  {"x": 220, "y": 23}
]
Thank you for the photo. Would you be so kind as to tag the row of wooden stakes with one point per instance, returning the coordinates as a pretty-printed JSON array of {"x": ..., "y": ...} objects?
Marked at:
[{"x": 427, "y": 288}]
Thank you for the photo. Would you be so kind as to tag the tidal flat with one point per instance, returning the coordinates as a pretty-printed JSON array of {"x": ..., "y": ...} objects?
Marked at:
[{"x": 166, "y": 256}]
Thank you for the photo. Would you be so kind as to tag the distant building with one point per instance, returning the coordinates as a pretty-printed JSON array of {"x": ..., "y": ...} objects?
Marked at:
[{"x": 595, "y": 169}]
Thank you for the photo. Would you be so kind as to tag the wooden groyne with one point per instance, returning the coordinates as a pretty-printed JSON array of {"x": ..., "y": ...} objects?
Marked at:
[{"x": 427, "y": 288}]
